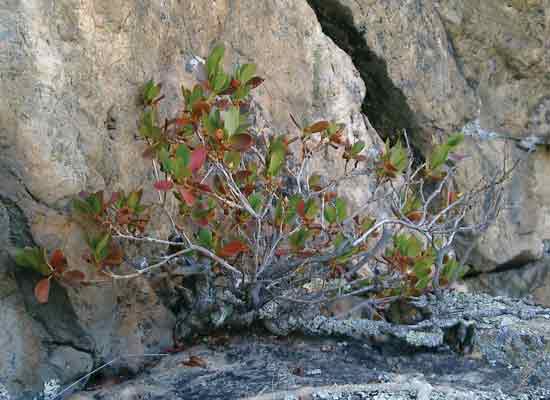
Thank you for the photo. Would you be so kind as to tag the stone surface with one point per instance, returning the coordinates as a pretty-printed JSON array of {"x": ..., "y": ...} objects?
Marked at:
[
  {"x": 509, "y": 360},
  {"x": 438, "y": 66},
  {"x": 71, "y": 77}
]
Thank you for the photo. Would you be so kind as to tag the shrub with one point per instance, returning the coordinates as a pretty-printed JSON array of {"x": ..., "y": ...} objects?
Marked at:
[{"x": 248, "y": 204}]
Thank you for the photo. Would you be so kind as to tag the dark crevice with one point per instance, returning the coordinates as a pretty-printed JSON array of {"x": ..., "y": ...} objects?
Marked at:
[
  {"x": 384, "y": 103},
  {"x": 519, "y": 262}
]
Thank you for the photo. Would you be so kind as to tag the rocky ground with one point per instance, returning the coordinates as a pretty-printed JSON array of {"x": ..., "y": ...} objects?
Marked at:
[{"x": 499, "y": 350}]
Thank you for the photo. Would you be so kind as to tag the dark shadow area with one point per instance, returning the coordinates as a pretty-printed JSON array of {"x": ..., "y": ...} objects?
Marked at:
[
  {"x": 384, "y": 103},
  {"x": 57, "y": 316}
]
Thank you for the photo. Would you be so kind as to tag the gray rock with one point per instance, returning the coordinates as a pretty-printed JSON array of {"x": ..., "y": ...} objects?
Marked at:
[
  {"x": 509, "y": 359},
  {"x": 438, "y": 66}
]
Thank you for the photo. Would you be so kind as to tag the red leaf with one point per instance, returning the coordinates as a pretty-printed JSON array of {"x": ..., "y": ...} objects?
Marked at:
[
  {"x": 74, "y": 275},
  {"x": 241, "y": 142},
  {"x": 233, "y": 248},
  {"x": 164, "y": 185},
  {"x": 58, "y": 261},
  {"x": 301, "y": 208},
  {"x": 42, "y": 290},
  {"x": 198, "y": 157},
  {"x": 202, "y": 222},
  {"x": 202, "y": 186},
  {"x": 187, "y": 196}
]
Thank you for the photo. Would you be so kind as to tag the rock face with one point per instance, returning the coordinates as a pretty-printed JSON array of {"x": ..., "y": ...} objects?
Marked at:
[
  {"x": 71, "y": 78},
  {"x": 508, "y": 359},
  {"x": 438, "y": 66}
]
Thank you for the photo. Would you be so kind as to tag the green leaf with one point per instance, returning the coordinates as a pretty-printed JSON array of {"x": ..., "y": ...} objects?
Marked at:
[
  {"x": 246, "y": 72},
  {"x": 398, "y": 157},
  {"x": 133, "y": 199},
  {"x": 423, "y": 283},
  {"x": 151, "y": 91},
  {"x": 221, "y": 82},
  {"x": 213, "y": 61},
  {"x": 277, "y": 154},
  {"x": 232, "y": 159},
  {"x": 314, "y": 181},
  {"x": 357, "y": 147},
  {"x": 184, "y": 154},
  {"x": 231, "y": 120},
  {"x": 341, "y": 211},
  {"x": 81, "y": 207},
  {"x": 439, "y": 156},
  {"x": 212, "y": 121},
  {"x": 101, "y": 250},
  {"x": 256, "y": 201},
  {"x": 205, "y": 238},
  {"x": 95, "y": 201},
  {"x": 338, "y": 240},
  {"x": 33, "y": 258},
  {"x": 330, "y": 214},
  {"x": 298, "y": 239},
  {"x": 311, "y": 209},
  {"x": 423, "y": 267},
  {"x": 455, "y": 139},
  {"x": 196, "y": 95},
  {"x": 241, "y": 93}
]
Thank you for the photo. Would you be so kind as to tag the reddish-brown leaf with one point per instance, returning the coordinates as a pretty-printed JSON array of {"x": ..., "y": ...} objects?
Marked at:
[
  {"x": 241, "y": 142},
  {"x": 337, "y": 138},
  {"x": 415, "y": 216},
  {"x": 195, "y": 361},
  {"x": 187, "y": 196},
  {"x": 74, "y": 275},
  {"x": 233, "y": 248},
  {"x": 301, "y": 208},
  {"x": 42, "y": 290},
  {"x": 124, "y": 216},
  {"x": 199, "y": 108},
  {"x": 242, "y": 175},
  {"x": 58, "y": 261},
  {"x": 453, "y": 196},
  {"x": 255, "y": 82},
  {"x": 317, "y": 127},
  {"x": 198, "y": 157},
  {"x": 115, "y": 257},
  {"x": 219, "y": 185},
  {"x": 330, "y": 196},
  {"x": 164, "y": 185},
  {"x": 183, "y": 121}
]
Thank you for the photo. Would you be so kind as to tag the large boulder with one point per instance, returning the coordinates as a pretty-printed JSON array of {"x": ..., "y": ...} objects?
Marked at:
[
  {"x": 71, "y": 79},
  {"x": 438, "y": 66}
]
